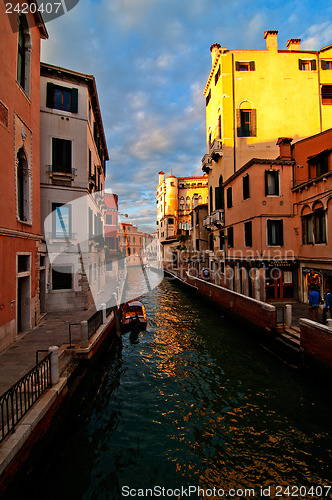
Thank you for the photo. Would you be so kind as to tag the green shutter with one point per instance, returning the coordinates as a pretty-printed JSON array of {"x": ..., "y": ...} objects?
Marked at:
[
  {"x": 252, "y": 65},
  {"x": 313, "y": 64},
  {"x": 50, "y": 95},
  {"x": 300, "y": 63},
  {"x": 74, "y": 100},
  {"x": 323, "y": 64},
  {"x": 253, "y": 123},
  {"x": 237, "y": 65}
]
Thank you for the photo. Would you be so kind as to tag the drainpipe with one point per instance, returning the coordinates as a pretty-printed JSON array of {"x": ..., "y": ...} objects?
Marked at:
[{"x": 319, "y": 95}]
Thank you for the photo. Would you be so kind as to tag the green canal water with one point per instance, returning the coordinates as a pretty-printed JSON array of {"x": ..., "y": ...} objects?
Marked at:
[{"x": 193, "y": 401}]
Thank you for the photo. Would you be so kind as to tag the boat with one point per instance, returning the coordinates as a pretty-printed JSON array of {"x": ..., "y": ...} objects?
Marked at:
[{"x": 134, "y": 316}]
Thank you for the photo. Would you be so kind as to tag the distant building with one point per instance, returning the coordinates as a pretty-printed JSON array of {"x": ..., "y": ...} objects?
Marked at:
[
  {"x": 252, "y": 98},
  {"x": 22, "y": 262},
  {"x": 131, "y": 243},
  {"x": 176, "y": 197},
  {"x": 73, "y": 165},
  {"x": 111, "y": 222}
]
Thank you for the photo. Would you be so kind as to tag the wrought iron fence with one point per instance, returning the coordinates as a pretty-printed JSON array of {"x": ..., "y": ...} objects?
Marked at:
[
  {"x": 94, "y": 323},
  {"x": 15, "y": 402}
]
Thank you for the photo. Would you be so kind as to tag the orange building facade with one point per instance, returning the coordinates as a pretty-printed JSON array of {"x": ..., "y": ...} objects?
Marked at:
[
  {"x": 131, "y": 243},
  {"x": 21, "y": 259}
]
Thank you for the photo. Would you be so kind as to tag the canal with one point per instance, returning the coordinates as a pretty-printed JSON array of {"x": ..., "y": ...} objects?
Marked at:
[{"x": 193, "y": 401}]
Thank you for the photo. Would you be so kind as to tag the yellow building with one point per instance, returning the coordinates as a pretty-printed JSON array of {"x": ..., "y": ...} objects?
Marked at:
[
  {"x": 254, "y": 97},
  {"x": 176, "y": 197}
]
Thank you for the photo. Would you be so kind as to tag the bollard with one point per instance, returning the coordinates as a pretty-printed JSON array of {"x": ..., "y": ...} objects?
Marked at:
[
  {"x": 103, "y": 308},
  {"x": 84, "y": 334},
  {"x": 54, "y": 351},
  {"x": 288, "y": 318}
]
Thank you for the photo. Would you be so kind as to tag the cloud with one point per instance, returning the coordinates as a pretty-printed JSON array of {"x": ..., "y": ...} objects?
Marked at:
[{"x": 317, "y": 36}]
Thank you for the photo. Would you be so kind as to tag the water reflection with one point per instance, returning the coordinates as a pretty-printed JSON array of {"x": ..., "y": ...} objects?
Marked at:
[{"x": 194, "y": 400}]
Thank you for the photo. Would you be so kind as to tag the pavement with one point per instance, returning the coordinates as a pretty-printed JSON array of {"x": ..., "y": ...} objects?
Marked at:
[{"x": 20, "y": 357}]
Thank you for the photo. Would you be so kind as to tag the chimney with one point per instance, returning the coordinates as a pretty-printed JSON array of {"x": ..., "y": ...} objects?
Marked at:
[
  {"x": 161, "y": 177},
  {"x": 284, "y": 144},
  {"x": 214, "y": 51},
  {"x": 271, "y": 38},
  {"x": 294, "y": 44}
]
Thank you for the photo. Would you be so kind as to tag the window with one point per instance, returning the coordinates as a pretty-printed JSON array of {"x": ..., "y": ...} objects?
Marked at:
[
  {"x": 326, "y": 94},
  {"x": 61, "y": 155},
  {"x": 63, "y": 98},
  {"x": 211, "y": 199},
  {"x": 320, "y": 226},
  {"x": 230, "y": 237},
  {"x": 61, "y": 220},
  {"x": 307, "y": 229},
  {"x": 229, "y": 196},
  {"x": 246, "y": 123},
  {"x": 326, "y": 64},
  {"x": 200, "y": 200},
  {"x": 23, "y": 186},
  {"x": 219, "y": 195},
  {"x": 208, "y": 97},
  {"x": 187, "y": 202},
  {"x": 271, "y": 183},
  {"x": 248, "y": 234},
  {"x": 275, "y": 233},
  {"x": 318, "y": 166},
  {"x": 62, "y": 278},
  {"x": 182, "y": 203},
  {"x": 217, "y": 76},
  {"x": 307, "y": 64},
  {"x": 109, "y": 219},
  {"x": 246, "y": 193},
  {"x": 245, "y": 65},
  {"x": 90, "y": 223},
  {"x": 23, "y": 54},
  {"x": 170, "y": 220}
]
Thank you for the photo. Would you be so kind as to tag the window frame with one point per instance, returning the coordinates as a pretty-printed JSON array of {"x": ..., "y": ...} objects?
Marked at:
[
  {"x": 276, "y": 190},
  {"x": 52, "y": 88},
  {"x": 248, "y": 234},
  {"x": 246, "y": 187},
  {"x": 276, "y": 240},
  {"x": 62, "y": 154},
  {"x": 63, "y": 235}
]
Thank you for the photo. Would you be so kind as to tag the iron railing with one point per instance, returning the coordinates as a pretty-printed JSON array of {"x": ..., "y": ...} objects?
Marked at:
[
  {"x": 16, "y": 402},
  {"x": 94, "y": 323}
]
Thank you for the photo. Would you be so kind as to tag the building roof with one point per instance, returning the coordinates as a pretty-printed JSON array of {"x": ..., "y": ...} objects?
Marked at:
[{"x": 81, "y": 79}]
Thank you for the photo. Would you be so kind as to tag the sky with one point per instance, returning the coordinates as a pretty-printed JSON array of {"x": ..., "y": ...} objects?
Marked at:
[{"x": 151, "y": 60}]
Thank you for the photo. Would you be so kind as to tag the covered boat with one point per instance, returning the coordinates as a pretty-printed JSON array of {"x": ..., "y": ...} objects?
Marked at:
[{"x": 134, "y": 316}]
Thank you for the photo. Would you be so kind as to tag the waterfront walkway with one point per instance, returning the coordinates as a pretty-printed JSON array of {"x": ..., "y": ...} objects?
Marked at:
[{"x": 20, "y": 357}]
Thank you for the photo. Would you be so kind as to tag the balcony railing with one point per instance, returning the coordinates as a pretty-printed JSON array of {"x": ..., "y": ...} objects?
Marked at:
[
  {"x": 216, "y": 149},
  {"x": 207, "y": 222},
  {"x": 206, "y": 163},
  {"x": 217, "y": 218},
  {"x": 57, "y": 171}
]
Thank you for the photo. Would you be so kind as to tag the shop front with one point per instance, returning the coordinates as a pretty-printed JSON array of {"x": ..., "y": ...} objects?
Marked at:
[{"x": 281, "y": 281}]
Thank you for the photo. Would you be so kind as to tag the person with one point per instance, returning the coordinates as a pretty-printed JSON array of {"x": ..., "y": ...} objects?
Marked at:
[
  {"x": 327, "y": 305},
  {"x": 205, "y": 274},
  {"x": 314, "y": 300}
]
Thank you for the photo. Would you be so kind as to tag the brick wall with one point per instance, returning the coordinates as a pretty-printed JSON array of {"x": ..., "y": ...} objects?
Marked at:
[
  {"x": 316, "y": 341},
  {"x": 258, "y": 313}
]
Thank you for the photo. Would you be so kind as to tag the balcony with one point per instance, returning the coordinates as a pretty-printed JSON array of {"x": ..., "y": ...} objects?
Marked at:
[
  {"x": 217, "y": 218},
  {"x": 207, "y": 223},
  {"x": 216, "y": 149},
  {"x": 58, "y": 172},
  {"x": 206, "y": 163}
]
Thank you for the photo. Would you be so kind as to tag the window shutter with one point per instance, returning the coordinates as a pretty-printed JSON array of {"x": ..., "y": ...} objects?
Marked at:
[
  {"x": 237, "y": 65},
  {"x": 253, "y": 123},
  {"x": 74, "y": 100},
  {"x": 50, "y": 95},
  {"x": 323, "y": 64},
  {"x": 266, "y": 183},
  {"x": 276, "y": 182},
  {"x": 252, "y": 65},
  {"x": 238, "y": 122},
  {"x": 300, "y": 63},
  {"x": 313, "y": 65}
]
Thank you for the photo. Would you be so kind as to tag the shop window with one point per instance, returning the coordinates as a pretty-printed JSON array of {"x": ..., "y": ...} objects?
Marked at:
[{"x": 275, "y": 234}]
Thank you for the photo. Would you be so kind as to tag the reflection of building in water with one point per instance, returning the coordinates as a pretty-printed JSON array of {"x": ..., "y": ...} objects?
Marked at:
[{"x": 73, "y": 165}]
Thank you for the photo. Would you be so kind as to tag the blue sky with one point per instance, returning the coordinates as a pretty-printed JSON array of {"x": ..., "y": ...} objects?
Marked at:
[{"x": 151, "y": 60}]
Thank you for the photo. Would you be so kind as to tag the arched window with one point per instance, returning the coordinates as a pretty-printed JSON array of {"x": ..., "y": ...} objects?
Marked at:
[
  {"x": 200, "y": 200},
  {"x": 182, "y": 203},
  {"x": 22, "y": 180},
  {"x": 180, "y": 225},
  {"x": 187, "y": 202},
  {"x": 23, "y": 54},
  {"x": 246, "y": 120}
]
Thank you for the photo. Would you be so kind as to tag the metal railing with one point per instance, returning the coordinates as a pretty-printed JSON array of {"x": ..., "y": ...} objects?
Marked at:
[
  {"x": 16, "y": 402},
  {"x": 94, "y": 323}
]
